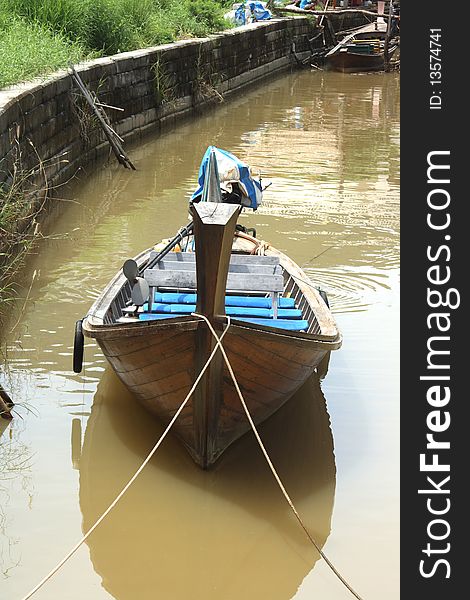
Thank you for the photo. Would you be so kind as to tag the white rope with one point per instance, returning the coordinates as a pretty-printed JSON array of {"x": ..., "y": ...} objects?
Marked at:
[
  {"x": 268, "y": 460},
  {"x": 136, "y": 474},
  {"x": 157, "y": 445}
]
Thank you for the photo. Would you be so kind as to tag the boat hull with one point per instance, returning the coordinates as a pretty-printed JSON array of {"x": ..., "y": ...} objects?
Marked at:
[
  {"x": 350, "y": 62},
  {"x": 345, "y": 59},
  {"x": 160, "y": 367}
]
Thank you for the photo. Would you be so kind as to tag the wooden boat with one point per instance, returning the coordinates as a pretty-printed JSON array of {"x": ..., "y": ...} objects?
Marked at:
[
  {"x": 281, "y": 327},
  {"x": 361, "y": 51}
]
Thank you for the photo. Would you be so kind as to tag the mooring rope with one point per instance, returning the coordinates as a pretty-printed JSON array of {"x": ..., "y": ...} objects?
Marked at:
[
  {"x": 136, "y": 474},
  {"x": 268, "y": 460},
  {"x": 159, "y": 442}
]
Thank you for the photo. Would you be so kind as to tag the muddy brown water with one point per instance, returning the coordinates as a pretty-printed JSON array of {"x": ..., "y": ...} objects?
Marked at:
[{"x": 330, "y": 145}]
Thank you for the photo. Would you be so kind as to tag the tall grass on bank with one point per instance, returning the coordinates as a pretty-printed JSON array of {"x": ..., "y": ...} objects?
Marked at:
[
  {"x": 19, "y": 210},
  {"x": 28, "y": 50},
  {"x": 39, "y": 36}
]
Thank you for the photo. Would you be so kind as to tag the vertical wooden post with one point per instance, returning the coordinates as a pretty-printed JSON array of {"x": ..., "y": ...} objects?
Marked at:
[
  {"x": 387, "y": 36},
  {"x": 214, "y": 229}
]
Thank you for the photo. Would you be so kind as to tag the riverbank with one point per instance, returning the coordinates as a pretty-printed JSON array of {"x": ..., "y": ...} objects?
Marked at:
[
  {"x": 48, "y": 134},
  {"x": 37, "y": 38}
]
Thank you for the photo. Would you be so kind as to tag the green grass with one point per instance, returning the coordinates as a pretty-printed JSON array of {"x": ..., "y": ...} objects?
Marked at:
[
  {"x": 40, "y": 36},
  {"x": 28, "y": 50}
]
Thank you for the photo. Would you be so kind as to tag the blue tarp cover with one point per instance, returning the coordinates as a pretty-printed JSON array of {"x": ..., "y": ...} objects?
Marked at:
[{"x": 231, "y": 170}]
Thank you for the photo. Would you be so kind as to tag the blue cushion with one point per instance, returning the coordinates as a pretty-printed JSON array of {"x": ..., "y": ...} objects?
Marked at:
[
  {"x": 249, "y": 301},
  {"x": 233, "y": 311},
  {"x": 287, "y": 324},
  {"x": 155, "y": 317}
]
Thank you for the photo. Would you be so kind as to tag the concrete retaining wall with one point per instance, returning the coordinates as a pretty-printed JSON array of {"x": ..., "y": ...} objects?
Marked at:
[
  {"x": 348, "y": 20},
  {"x": 45, "y": 128}
]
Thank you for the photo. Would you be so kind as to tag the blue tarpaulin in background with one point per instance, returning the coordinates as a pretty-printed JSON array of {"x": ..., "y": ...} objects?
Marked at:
[{"x": 258, "y": 12}]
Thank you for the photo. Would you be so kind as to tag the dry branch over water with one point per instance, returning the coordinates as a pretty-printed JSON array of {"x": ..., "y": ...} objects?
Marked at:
[{"x": 22, "y": 199}]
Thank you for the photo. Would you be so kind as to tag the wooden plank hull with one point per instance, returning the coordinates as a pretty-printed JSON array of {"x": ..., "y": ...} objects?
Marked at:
[
  {"x": 160, "y": 368},
  {"x": 350, "y": 62}
]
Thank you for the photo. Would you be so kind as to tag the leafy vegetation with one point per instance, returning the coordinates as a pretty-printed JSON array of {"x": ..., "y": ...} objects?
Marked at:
[
  {"x": 28, "y": 50},
  {"x": 40, "y": 36}
]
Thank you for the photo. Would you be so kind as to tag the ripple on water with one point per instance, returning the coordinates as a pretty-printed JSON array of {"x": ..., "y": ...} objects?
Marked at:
[{"x": 350, "y": 291}]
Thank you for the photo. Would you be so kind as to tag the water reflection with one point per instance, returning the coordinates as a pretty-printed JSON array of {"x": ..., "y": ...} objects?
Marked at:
[{"x": 184, "y": 533}]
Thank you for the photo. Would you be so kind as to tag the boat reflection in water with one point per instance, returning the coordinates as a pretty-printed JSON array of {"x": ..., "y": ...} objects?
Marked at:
[{"x": 181, "y": 532}]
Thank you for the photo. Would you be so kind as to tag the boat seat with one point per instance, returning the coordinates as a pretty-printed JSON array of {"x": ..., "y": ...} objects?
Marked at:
[
  {"x": 235, "y": 259},
  {"x": 254, "y": 291},
  {"x": 251, "y": 274},
  {"x": 173, "y": 298},
  {"x": 286, "y": 324},
  {"x": 232, "y": 311},
  {"x": 234, "y": 300}
]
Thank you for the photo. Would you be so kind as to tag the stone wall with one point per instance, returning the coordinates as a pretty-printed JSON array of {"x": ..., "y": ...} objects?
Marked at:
[
  {"x": 348, "y": 20},
  {"x": 46, "y": 129}
]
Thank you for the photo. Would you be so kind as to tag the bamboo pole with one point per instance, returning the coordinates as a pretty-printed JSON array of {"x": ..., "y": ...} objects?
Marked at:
[
  {"x": 104, "y": 122},
  {"x": 320, "y": 23},
  {"x": 329, "y": 13},
  {"x": 387, "y": 37}
]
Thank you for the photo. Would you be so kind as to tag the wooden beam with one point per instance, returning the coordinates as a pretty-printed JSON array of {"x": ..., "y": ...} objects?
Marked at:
[
  {"x": 183, "y": 278},
  {"x": 235, "y": 259},
  {"x": 175, "y": 266},
  {"x": 214, "y": 229},
  {"x": 330, "y": 13}
]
